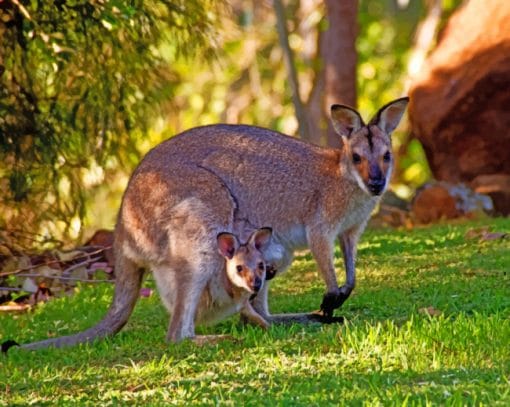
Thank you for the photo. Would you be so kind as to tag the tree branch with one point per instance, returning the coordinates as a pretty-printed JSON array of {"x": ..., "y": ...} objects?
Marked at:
[
  {"x": 87, "y": 256},
  {"x": 283, "y": 36}
]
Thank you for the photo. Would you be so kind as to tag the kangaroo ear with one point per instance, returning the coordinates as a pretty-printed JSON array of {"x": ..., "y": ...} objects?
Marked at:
[
  {"x": 388, "y": 117},
  {"x": 345, "y": 120},
  {"x": 227, "y": 244},
  {"x": 261, "y": 238}
]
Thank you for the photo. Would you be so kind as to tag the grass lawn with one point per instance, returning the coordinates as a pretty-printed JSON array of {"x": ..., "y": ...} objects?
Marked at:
[{"x": 428, "y": 324}]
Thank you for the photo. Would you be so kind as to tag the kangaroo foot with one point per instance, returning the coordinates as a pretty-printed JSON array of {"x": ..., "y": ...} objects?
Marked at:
[{"x": 332, "y": 301}]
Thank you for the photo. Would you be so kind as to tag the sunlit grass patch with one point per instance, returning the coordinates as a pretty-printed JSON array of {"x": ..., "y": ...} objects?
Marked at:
[{"x": 428, "y": 323}]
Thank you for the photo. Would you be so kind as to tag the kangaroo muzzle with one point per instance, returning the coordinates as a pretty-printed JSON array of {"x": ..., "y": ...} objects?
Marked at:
[
  {"x": 257, "y": 284},
  {"x": 376, "y": 180},
  {"x": 376, "y": 186}
]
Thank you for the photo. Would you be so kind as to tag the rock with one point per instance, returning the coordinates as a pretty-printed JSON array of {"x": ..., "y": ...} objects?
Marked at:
[
  {"x": 497, "y": 186},
  {"x": 459, "y": 107},
  {"x": 442, "y": 200}
]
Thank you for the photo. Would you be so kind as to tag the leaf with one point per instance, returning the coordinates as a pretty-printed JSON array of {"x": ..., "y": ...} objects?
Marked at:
[
  {"x": 484, "y": 234},
  {"x": 16, "y": 263},
  {"x": 68, "y": 256},
  {"x": 46, "y": 271},
  {"x": 145, "y": 292},
  {"x": 80, "y": 273},
  {"x": 494, "y": 236},
  {"x": 5, "y": 251},
  {"x": 13, "y": 307},
  {"x": 431, "y": 311},
  {"x": 29, "y": 285},
  {"x": 476, "y": 233},
  {"x": 100, "y": 266},
  {"x": 43, "y": 294}
]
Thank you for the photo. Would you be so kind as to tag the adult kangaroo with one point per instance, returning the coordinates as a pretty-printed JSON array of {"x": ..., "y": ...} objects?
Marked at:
[
  {"x": 209, "y": 179},
  {"x": 309, "y": 195}
]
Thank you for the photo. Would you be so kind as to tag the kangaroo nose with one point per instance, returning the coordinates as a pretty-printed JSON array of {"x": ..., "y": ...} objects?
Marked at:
[{"x": 376, "y": 186}]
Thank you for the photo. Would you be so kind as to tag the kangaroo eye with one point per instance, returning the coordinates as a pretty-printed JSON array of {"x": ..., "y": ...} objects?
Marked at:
[
  {"x": 387, "y": 157},
  {"x": 239, "y": 268},
  {"x": 261, "y": 266},
  {"x": 356, "y": 159}
]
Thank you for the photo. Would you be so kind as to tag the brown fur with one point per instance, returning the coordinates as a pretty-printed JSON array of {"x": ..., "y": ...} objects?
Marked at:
[{"x": 201, "y": 182}]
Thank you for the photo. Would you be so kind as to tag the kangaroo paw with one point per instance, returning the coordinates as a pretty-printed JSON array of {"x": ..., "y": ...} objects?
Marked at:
[
  {"x": 8, "y": 345},
  {"x": 332, "y": 301}
]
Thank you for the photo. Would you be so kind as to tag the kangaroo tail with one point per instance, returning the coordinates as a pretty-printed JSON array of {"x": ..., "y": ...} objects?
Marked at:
[
  {"x": 305, "y": 318},
  {"x": 127, "y": 287}
]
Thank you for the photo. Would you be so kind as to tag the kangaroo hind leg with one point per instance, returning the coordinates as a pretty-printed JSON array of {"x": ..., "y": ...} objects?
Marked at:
[{"x": 189, "y": 284}]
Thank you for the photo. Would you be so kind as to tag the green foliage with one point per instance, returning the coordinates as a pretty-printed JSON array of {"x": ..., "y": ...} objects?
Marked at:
[
  {"x": 80, "y": 81},
  {"x": 427, "y": 325},
  {"x": 87, "y": 86}
]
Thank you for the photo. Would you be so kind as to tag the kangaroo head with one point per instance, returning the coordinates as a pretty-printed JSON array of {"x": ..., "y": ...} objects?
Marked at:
[
  {"x": 368, "y": 146},
  {"x": 245, "y": 266}
]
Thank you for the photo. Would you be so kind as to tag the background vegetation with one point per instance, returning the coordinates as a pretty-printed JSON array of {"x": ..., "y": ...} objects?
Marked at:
[{"x": 88, "y": 86}]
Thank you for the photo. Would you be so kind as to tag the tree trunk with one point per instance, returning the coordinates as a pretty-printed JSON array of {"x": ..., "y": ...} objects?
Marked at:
[
  {"x": 460, "y": 101},
  {"x": 336, "y": 81}
]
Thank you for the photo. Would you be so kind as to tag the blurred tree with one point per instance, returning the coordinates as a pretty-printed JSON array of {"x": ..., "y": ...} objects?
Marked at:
[
  {"x": 288, "y": 56},
  {"x": 86, "y": 85},
  {"x": 79, "y": 81},
  {"x": 251, "y": 84},
  {"x": 335, "y": 82}
]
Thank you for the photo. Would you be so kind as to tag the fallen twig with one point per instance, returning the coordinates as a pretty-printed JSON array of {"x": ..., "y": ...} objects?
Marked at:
[
  {"x": 15, "y": 308},
  {"x": 56, "y": 261},
  {"x": 66, "y": 278},
  {"x": 78, "y": 265}
]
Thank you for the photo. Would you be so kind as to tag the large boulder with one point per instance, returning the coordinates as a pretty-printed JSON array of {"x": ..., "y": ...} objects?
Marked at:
[
  {"x": 437, "y": 201},
  {"x": 460, "y": 103}
]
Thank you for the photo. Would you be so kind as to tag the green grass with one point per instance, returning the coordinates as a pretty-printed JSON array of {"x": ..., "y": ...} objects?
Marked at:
[{"x": 388, "y": 353}]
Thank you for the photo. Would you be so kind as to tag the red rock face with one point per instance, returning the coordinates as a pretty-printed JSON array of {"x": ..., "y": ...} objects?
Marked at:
[{"x": 460, "y": 104}]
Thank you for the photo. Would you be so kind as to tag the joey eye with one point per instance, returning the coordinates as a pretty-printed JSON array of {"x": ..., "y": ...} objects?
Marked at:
[
  {"x": 387, "y": 157},
  {"x": 261, "y": 266},
  {"x": 356, "y": 158},
  {"x": 239, "y": 268}
]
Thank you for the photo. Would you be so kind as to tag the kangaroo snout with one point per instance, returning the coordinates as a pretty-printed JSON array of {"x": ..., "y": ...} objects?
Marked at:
[
  {"x": 257, "y": 284},
  {"x": 376, "y": 186}
]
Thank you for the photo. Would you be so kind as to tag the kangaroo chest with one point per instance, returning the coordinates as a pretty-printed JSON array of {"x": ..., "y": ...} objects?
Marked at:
[
  {"x": 357, "y": 214},
  {"x": 217, "y": 303}
]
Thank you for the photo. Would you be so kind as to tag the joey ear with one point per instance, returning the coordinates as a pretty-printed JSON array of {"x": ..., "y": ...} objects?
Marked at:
[
  {"x": 345, "y": 120},
  {"x": 261, "y": 238},
  {"x": 388, "y": 117},
  {"x": 227, "y": 244}
]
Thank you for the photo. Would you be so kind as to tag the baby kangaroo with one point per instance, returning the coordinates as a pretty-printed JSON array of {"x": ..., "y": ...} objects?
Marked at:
[
  {"x": 244, "y": 275},
  {"x": 226, "y": 292}
]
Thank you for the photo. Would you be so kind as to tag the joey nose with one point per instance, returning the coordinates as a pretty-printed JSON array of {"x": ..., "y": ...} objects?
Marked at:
[{"x": 257, "y": 284}]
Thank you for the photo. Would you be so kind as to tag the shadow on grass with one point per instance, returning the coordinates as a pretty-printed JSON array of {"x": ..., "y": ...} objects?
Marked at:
[
  {"x": 441, "y": 386},
  {"x": 336, "y": 385}
]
